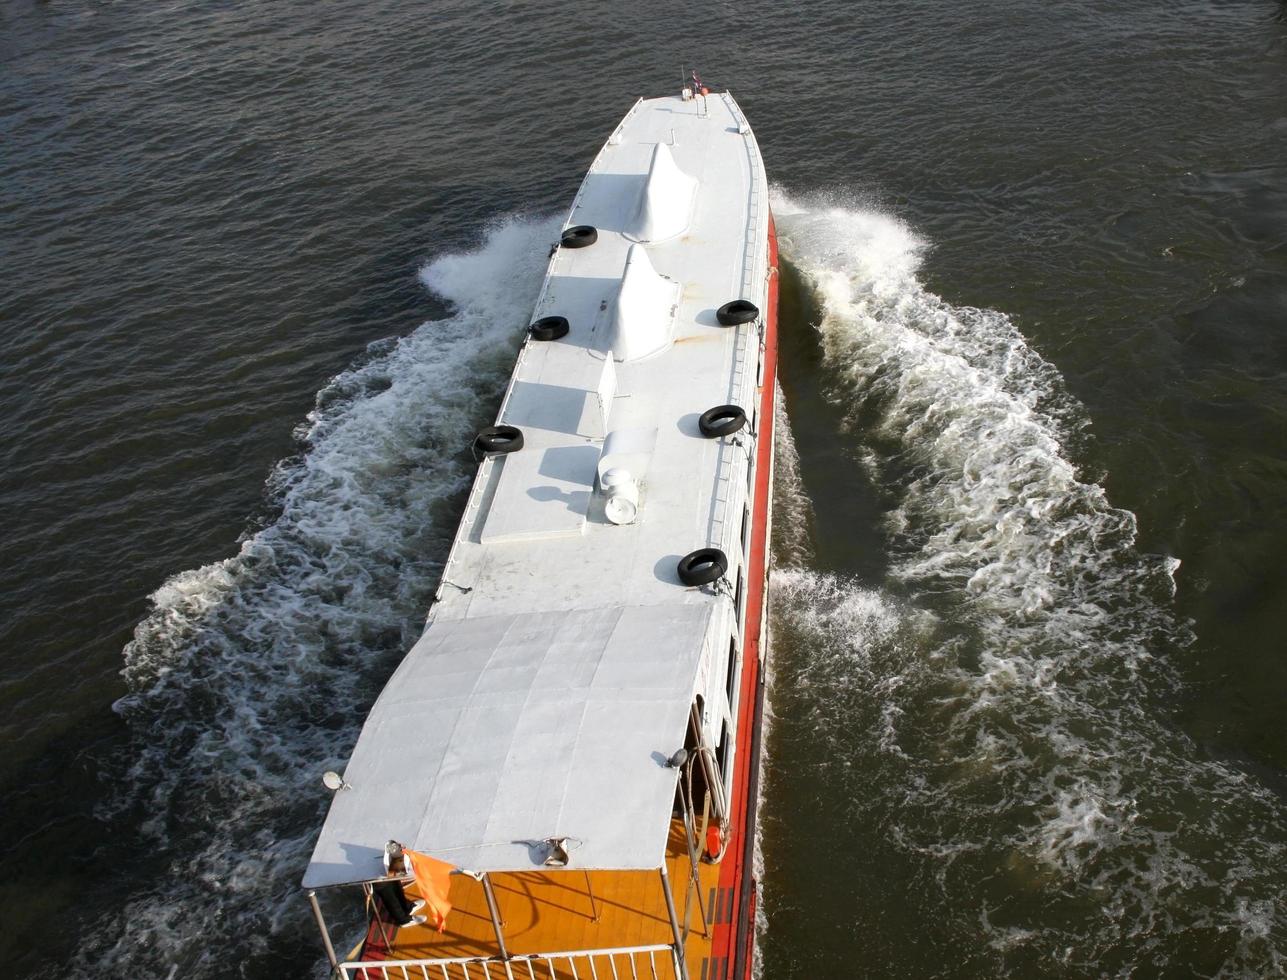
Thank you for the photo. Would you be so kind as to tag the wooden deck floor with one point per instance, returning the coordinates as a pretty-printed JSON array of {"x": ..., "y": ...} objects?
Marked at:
[{"x": 572, "y": 910}]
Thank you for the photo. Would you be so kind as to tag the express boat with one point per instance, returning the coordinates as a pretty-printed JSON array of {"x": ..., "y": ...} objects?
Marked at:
[{"x": 560, "y": 778}]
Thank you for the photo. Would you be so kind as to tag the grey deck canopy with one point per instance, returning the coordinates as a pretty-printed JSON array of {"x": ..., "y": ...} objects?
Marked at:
[{"x": 496, "y": 732}]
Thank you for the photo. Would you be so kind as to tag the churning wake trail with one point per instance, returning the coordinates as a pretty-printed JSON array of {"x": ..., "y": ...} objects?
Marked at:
[
  {"x": 252, "y": 676},
  {"x": 998, "y": 702}
]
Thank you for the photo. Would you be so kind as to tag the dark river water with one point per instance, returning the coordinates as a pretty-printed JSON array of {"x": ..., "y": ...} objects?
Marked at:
[{"x": 265, "y": 267}]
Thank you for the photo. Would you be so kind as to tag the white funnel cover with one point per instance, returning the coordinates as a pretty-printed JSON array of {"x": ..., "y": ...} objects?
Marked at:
[
  {"x": 644, "y": 312},
  {"x": 666, "y": 201}
]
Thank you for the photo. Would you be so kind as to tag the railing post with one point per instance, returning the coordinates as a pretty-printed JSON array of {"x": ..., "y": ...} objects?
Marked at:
[
  {"x": 681, "y": 966},
  {"x": 326, "y": 936}
]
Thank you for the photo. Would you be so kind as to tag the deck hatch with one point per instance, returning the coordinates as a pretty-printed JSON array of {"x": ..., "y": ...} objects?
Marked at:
[{"x": 546, "y": 493}]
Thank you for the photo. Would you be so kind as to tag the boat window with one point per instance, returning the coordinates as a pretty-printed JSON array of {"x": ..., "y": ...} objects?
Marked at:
[
  {"x": 737, "y": 597},
  {"x": 721, "y": 752},
  {"x": 746, "y": 527},
  {"x": 732, "y": 669}
]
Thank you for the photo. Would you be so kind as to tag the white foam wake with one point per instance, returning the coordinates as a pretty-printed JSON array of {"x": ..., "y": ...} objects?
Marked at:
[
  {"x": 1003, "y": 694},
  {"x": 253, "y": 675}
]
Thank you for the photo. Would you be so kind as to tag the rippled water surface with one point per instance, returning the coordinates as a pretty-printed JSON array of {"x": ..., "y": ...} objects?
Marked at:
[{"x": 265, "y": 268}]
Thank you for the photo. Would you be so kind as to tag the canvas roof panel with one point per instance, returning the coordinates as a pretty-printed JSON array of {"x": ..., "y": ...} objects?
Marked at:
[{"x": 499, "y": 731}]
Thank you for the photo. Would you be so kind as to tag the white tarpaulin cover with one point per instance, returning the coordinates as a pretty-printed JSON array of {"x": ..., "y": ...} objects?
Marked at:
[{"x": 496, "y": 732}]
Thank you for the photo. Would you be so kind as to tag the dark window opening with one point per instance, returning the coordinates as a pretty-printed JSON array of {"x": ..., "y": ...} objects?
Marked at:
[
  {"x": 694, "y": 765},
  {"x": 732, "y": 670},
  {"x": 721, "y": 750}
]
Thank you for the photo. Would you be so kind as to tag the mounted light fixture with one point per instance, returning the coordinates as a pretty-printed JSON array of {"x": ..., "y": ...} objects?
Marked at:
[{"x": 334, "y": 781}]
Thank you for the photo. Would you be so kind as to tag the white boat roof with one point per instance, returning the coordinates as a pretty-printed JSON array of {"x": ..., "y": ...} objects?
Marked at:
[
  {"x": 500, "y": 731},
  {"x": 560, "y": 661}
]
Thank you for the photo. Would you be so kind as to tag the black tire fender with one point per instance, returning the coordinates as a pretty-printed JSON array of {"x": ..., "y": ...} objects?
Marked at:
[
  {"x": 703, "y": 566},
  {"x": 722, "y": 420},
  {"x": 496, "y": 440},
  {"x": 579, "y": 236},
  {"x": 549, "y": 328},
  {"x": 737, "y": 311}
]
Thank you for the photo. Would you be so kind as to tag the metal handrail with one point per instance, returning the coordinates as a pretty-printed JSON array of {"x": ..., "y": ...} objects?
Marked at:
[
  {"x": 753, "y": 201},
  {"x": 618, "y": 963}
]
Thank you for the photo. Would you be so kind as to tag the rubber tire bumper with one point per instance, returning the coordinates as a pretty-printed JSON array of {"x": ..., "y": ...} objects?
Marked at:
[
  {"x": 722, "y": 420},
  {"x": 549, "y": 328},
  {"x": 496, "y": 440},
  {"x": 703, "y": 566},
  {"x": 579, "y": 236},
  {"x": 736, "y": 312}
]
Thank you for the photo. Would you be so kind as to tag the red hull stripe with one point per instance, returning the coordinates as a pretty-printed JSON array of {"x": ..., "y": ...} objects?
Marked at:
[{"x": 733, "y": 941}]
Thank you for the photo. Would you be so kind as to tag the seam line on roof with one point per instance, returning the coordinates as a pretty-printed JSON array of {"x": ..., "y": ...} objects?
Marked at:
[
  {"x": 576, "y": 743},
  {"x": 564, "y": 616},
  {"x": 433, "y": 783},
  {"x": 500, "y": 775}
]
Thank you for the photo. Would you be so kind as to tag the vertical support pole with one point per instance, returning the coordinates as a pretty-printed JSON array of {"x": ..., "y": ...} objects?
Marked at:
[
  {"x": 681, "y": 965},
  {"x": 594, "y": 909},
  {"x": 326, "y": 936},
  {"x": 373, "y": 910},
  {"x": 696, "y": 879},
  {"x": 496, "y": 920},
  {"x": 693, "y": 883}
]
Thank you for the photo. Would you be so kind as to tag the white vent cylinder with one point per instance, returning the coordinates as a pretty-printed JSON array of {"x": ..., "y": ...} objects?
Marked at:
[{"x": 621, "y": 505}]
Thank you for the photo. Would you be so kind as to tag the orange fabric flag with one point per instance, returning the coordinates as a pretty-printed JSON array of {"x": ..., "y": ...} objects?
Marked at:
[{"x": 433, "y": 878}]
